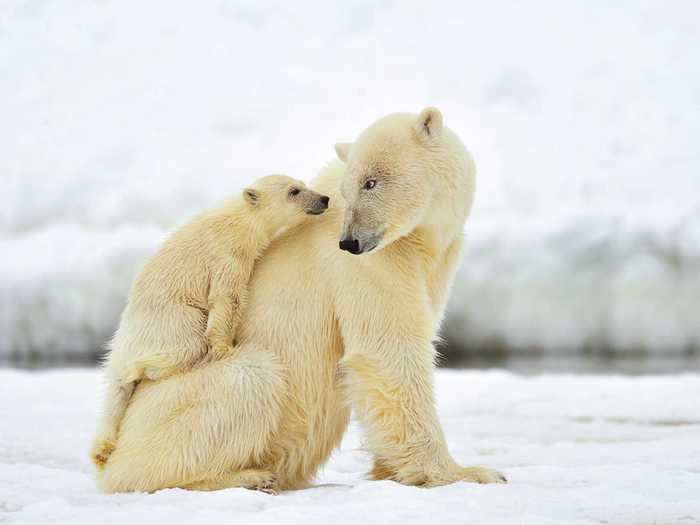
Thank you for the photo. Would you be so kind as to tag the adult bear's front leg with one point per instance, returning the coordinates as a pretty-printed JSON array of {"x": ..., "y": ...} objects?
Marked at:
[{"x": 388, "y": 367}]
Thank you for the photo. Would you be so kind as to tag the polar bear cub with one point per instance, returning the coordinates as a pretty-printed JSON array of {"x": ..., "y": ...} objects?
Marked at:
[{"x": 185, "y": 305}]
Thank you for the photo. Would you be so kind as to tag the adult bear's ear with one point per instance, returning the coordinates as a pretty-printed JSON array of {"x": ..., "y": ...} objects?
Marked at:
[
  {"x": 342, "y": 149},
  {"x": 251, "y": 196},
  {"x": 429, "y": 124}
]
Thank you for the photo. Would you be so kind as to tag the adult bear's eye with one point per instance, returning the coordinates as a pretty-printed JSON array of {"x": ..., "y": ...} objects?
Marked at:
[
  {"x": 294, "y": 191},
  {"x": 371, "y": 183}
]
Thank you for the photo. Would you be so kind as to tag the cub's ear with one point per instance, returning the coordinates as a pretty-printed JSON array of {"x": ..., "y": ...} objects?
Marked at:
[
  {"x": 429, "y": 124},
  {"x": 342, "y": 149},
  {"x": 251, "y": 196}
]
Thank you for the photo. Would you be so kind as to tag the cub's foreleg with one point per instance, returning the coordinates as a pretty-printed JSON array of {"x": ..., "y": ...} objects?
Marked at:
[{"x": 227, "y": 297}]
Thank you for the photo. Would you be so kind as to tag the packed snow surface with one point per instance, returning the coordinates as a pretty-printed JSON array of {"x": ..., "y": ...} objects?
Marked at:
[
  {"x": 121, "y": 119},
  {"x": 577, "y": 450}
]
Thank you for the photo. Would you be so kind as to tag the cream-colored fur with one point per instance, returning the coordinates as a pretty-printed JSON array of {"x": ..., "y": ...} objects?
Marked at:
[
  {"x": 186, "y": 304},
  {"x": 325, "y": 330}
]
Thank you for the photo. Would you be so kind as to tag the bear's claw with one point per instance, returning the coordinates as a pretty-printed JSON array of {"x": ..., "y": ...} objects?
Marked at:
[{"x": 268, "y": 485}]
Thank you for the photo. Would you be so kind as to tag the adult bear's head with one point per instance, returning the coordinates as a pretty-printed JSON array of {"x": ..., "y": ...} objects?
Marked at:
[{"x": 404, "y": 171}]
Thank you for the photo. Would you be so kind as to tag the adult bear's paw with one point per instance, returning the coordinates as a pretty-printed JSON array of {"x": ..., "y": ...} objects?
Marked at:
[
  {"x": 267, "y": 484},
  {"x": 471, "y": 474},
  {"x": 482, "y": 475}
]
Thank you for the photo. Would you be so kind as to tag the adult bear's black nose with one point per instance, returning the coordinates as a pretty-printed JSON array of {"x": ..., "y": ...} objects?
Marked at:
[
  {"x": 325, "y": 200},
  {"x": 350, "y": 245}
]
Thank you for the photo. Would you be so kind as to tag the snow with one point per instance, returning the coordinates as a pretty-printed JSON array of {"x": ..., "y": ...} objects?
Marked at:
[
  {"x": 121, "y": 119},
  {"x": 576, "y": 450}
]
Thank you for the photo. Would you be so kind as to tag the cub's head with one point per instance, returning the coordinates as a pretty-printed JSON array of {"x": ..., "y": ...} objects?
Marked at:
[
  {"x": 282, "y": 201},
  {"x": 398, "y": 176}
]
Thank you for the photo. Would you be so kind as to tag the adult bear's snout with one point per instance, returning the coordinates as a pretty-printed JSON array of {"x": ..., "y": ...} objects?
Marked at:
[{"x": 350, "y": 245}]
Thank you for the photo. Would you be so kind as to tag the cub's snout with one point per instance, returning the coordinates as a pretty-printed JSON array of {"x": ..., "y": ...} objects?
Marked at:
[{"x": 318, "y": 204}]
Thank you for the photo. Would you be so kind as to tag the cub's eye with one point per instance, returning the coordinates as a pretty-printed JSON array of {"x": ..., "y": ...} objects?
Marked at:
[
  {"x": 371, "y": 183},
  {"x": 294, "y": 191}
]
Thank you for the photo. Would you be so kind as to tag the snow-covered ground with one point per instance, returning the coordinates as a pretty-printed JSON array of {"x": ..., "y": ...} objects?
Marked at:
[
  {"x": 119, "y": 119},
  {"x": 576, "y": 449}
]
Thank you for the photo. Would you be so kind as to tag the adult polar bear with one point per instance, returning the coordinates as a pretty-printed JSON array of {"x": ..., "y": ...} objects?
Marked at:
[{"x": 324, "y": 327}]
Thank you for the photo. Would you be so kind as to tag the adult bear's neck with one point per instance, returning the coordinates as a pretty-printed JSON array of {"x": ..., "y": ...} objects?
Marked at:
[{"x": 432, "y": 241}]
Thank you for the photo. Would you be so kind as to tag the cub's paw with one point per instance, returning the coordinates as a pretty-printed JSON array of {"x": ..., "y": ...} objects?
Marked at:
[
  {"x": 101, "y": 450},
  {"x": 219, "y": 351},
  {"x": 482, "y": 475}
]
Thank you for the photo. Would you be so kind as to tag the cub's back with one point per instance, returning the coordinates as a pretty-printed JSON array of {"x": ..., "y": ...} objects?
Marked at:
[{"x": 181, "y": 268}]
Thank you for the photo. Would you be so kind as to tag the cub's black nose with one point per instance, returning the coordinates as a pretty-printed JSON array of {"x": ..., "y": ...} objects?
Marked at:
[
  {"x": 325, "y": 200},
  {"x": 350, "y": 245}
]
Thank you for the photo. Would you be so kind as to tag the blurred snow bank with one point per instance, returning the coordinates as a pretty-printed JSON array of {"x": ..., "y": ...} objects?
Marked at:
[
  {"x": 63, "y": 287},
  {"x": 602, "y": 288},
  {"x": 119, "y": 120}
]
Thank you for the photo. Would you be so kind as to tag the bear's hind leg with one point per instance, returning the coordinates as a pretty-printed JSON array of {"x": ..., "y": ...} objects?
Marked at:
[
  {"x": 380, "y": 470},
  {"x": 117, "y": 399},
  {"x": 198, "y": 429}
]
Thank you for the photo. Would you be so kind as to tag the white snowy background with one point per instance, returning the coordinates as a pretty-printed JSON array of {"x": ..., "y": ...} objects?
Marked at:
[
  {"x": 121, "y": 119},
  {"x": 577, "y": 450}
]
